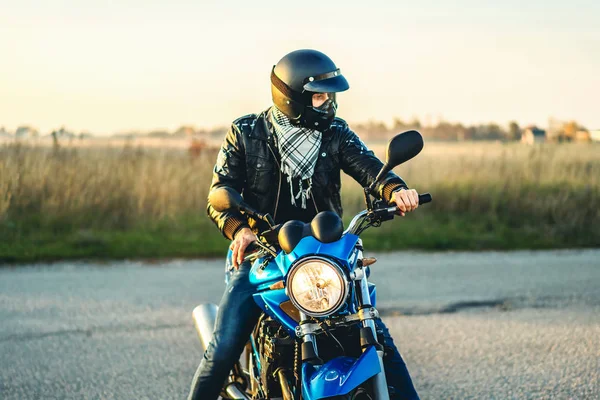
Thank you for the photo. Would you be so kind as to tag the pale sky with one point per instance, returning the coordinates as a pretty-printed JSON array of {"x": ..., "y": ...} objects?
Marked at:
[{"x": 113, "y": 66}]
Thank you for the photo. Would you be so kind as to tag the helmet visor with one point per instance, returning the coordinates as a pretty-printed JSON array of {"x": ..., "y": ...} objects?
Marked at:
[{"x": 333, "y": 84}]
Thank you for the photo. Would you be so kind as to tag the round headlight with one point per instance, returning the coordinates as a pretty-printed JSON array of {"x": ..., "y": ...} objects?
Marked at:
[{"x": 317, "y": 287}]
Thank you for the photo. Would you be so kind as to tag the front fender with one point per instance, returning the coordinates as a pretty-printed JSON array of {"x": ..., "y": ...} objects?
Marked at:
[{"x": 338, "y": 376}]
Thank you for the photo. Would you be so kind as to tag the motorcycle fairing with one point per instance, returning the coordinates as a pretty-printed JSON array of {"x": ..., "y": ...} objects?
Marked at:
[
  {"x": 341, "y": 250},
  {"x": 338, "y": 376},
  {"x": 276, "y": 270},
  {"x": 263, "y": 277},
  {"x": 269, "y": 301}
]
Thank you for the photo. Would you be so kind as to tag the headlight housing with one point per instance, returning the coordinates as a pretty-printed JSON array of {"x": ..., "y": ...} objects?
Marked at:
[{"x": 317, "y": 286}]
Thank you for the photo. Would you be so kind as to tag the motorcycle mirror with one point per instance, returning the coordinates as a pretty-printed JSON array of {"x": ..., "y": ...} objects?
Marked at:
[
  {"x": 403, "y": 147},
  {"x": 225, "y": 199},
  {"x": 399, "y": 150}
]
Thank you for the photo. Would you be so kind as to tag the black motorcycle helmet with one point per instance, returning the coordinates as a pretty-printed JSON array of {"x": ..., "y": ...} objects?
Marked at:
[{"x": 299, "y": 75}]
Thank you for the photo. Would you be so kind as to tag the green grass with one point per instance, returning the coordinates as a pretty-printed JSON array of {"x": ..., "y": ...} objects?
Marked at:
[
  {"x": 186, "y": 237},
  {"x": 197, "y": 237},
  {"x": 118, "y": 203},
  {"x": 436, "y": 231}
]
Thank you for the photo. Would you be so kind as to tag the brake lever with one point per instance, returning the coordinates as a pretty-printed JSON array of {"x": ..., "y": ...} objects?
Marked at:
[{"x": 255, "y": 255}]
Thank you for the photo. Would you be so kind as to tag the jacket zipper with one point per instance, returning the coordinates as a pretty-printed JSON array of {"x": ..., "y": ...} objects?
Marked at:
[
  {"x": 312, "y": 197},
  {"x": 314, "y": 202},
  {"x": 311, "y": 194}
]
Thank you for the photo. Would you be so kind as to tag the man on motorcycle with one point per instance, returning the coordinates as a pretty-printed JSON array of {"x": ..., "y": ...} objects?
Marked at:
[{"x": 286, "y": 161}]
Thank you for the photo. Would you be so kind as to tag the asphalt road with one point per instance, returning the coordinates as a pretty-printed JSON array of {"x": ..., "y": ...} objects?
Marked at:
[{"x": 518, "y": 325}]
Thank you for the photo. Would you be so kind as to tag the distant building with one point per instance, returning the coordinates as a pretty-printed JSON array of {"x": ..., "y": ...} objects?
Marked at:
[
  {"x": 532, "y": 135},
  {"x": 595, "y": 136},
  {"x": 582, "y": 136}
]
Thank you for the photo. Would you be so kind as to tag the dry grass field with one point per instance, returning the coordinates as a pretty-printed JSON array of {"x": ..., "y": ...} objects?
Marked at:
[{"x": 149, "y": 202}]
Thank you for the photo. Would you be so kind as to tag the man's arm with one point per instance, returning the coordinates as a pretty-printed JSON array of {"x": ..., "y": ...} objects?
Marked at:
[
  {"x": 230, "y": 171},
  {"x": 361, "y": 164}
]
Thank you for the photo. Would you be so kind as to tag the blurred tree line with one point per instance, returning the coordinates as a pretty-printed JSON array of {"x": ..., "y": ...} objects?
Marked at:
[
  {"x": 443, "y": 130},
  {"x": 447, "y": 131},
  {"x": 377, "y": 130},
  {"x": 557, "y": 131}
]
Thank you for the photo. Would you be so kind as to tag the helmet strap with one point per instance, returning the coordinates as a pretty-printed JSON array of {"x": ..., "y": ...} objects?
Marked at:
[{"x": 286, "y": 90}]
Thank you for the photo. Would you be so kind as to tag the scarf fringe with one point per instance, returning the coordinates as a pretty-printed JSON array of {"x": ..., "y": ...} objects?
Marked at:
[{"x": 303, "y": 193}]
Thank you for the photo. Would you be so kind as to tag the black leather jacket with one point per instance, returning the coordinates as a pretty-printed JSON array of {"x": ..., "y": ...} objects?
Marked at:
[{"x": 249, "y": 162}]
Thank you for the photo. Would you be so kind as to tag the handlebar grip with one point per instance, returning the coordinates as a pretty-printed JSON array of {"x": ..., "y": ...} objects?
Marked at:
[
  {"x": 252, "y": 247},
  {"x": 424, "y": 198}
]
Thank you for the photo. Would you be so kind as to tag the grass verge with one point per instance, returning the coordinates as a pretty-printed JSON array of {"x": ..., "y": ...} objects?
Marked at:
[{"x": 197, "y": 237}]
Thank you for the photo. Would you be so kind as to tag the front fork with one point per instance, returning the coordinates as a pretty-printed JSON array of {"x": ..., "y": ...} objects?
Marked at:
[{"x": 368, "y": 332}]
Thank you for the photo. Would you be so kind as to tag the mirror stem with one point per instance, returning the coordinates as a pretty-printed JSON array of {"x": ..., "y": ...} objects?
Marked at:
[
  {"x": 384, "y": 170},
  {"x": 269, "y": 220},
  {"x": 367, "y": 192},
  {"x": 256, "y": 215}
]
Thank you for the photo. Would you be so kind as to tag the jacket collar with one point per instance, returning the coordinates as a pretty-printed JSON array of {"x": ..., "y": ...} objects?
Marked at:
[{"x": 262, "y": 128}]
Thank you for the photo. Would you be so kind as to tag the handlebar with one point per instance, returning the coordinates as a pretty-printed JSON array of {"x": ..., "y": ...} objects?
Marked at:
[
  {"x": 385, "y": 213},
  {"x": 424, "y": 198},
  {"x": 254, "y": 250},
  {"x": 390, "y": 211},
  {"x": 251, "y": 248}
]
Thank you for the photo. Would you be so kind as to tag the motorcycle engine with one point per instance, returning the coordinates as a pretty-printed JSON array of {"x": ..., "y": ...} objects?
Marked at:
[{"x": 276, "y": 350}]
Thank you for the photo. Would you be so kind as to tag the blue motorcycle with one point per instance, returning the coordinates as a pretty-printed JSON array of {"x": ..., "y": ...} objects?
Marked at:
[{"x": 316, "y": 338}]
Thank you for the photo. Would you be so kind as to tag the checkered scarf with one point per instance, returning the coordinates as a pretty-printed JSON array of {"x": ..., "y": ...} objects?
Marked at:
[{"x": 299, "y": 149}]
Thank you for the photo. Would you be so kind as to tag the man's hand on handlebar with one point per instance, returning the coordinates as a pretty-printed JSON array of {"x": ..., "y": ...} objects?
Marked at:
[
  {"x": 406, "y": 200},
  {"x": 238, "y": 246}
]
